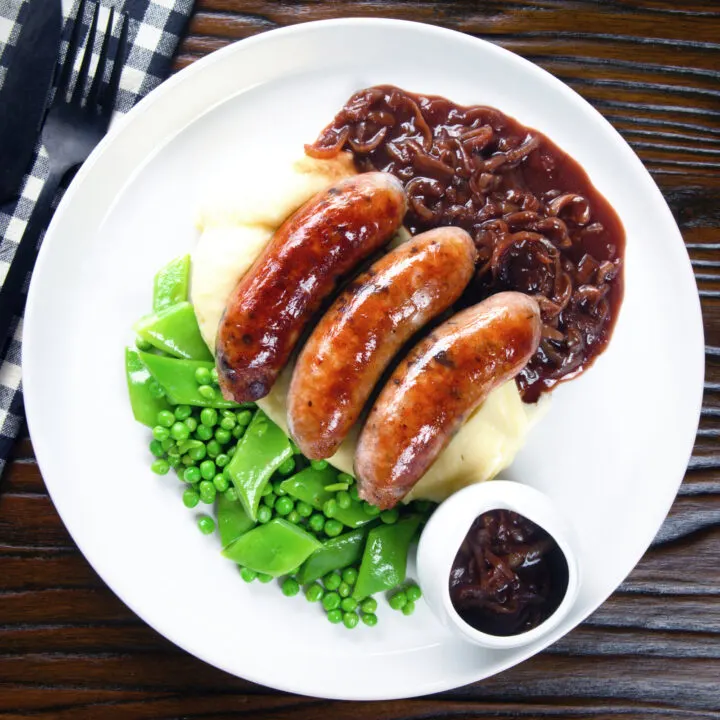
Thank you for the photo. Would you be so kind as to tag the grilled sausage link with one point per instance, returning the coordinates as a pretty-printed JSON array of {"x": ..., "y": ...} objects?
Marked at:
[
  {"x": 437, "y": 386},
  {"x": 365, "y": 327},
  {"x": 272, "y": 303}
]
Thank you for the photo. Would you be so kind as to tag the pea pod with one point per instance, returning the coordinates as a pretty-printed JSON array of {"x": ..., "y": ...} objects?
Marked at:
[
  {"x": 384, "y": 561},
  {"x": 309, "y": 486},
  {"x": 145, "y": 406},
  {"x": 171, "y": 284},
  {"x": 277, "y": 548},
  {"x": 175, "y": 330},
  {"x": 232, "y": 519},
  {"x": 177, "y": 378},
  {"x": 335, "y": 554},
  {"x": 260, "y": 452}
]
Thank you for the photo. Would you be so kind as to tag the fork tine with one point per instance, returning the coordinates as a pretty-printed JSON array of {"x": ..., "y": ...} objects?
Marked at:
[
  {"x": 110, "y": 93},
  {"x": 102, "y": 63},
  {"x": 65, "y": 76},
  {"x": 87, "y": 58}
]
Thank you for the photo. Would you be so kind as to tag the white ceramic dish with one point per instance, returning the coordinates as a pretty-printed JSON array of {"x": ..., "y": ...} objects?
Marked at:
[
  {"x": 612, "y": 450},
  {"x": 447, "y": 528}
]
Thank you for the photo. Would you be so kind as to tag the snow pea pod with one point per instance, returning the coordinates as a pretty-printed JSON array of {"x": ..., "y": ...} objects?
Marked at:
[
  {"x": 276, "y": 548},
  {"x": 175, "y": 331},
  {"x": 384, "y": 561},
  {"x": 309, "y": 486},
  {"x": 260, "y": 452},
  {"x": 177, "y": 378},
  {"x": 334, "y": 554},
  {"x": 145, "y": 406},
  {"x": 171, "y": 283},
  {"x": 232, "y": 519}
]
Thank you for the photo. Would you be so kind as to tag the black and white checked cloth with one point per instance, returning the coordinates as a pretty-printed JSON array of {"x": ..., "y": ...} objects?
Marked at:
[{"x": 154, "y": 31}]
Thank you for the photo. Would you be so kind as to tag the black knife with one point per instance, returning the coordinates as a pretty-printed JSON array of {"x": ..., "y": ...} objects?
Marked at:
[{"x": 24, "y": 93}]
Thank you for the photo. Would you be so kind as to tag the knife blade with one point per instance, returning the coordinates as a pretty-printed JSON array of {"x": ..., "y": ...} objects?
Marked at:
[{"x": 25, "y": 90}]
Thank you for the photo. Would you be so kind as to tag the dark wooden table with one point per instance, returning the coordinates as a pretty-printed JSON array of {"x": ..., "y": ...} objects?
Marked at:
[{"x": 70, "y": 649}]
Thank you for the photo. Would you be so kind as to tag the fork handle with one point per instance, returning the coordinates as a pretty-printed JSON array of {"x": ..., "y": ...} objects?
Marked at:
[{"x": 12, "y": 298}]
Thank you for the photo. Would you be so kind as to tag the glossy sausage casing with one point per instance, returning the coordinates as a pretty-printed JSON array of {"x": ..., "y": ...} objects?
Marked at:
[
  {"x": 322, "y": 241},
  {"x": 365, "y": 327},
  {"x": 437, "y": 386}
]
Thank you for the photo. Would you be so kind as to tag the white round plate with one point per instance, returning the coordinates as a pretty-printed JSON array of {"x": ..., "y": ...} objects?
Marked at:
[{"x": 611, "y": 452}]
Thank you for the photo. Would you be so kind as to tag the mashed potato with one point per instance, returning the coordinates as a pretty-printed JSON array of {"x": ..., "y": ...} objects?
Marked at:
[{"x": 235, "y": 226}]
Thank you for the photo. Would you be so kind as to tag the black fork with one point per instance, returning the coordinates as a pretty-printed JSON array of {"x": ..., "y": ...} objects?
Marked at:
[{"x": 74, "y": 125}]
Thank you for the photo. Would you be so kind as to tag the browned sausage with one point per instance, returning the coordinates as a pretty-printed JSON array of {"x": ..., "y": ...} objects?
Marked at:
[
  {"x": 326, "y": 238},
  {"x": 437, "y": 386},
  {"x": 365, "y": 327}
]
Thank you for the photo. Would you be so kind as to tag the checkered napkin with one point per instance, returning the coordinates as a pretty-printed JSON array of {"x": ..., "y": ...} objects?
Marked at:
[{"x": 154, "y": 31}]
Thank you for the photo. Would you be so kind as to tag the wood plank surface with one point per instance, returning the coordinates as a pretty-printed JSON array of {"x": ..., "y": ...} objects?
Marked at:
[{"x": 70, "y": 649}]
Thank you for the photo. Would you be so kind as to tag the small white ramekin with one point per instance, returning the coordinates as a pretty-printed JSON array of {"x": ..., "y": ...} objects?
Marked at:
[{"x": 446, "y": 530}]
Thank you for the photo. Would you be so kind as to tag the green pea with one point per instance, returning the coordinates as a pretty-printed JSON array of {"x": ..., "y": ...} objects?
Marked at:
[
  {"x": 264, "y": 514},
  {"x": 244, "y": 417},
  {"x": 208, "y": 417},
  {"x": 222, "y": 436},
  {"x": 213, "y": 448},
  {"x": 207, "y": 491},
  {"x": 179, "y": 432},
  {"x": 206, "y": 525},
  {"x": 318, "y": 464},
  {"x": 155, "y": 389},
  {"x": 344, "y": 590},
  {"x": 303, "y": 509},
  {"x": 228, "y": 423},
  {"x": 345, "y": 478},
  {"x": 207, "y": 391},
  {"x": 287, "y": 467},
  {"x": 173, "y": 452},
  {"x": 278, "y": 489},
  {"x": 335, "y": 616},
  {"x": 160, "y": 433},
  {"x": 238, "y": 431},
  {"x": 293, "y": 517},
  {"x": 414, "y": 593},
  {"x": 204, "y": 433},
  {"x": 182, "y": 412},
  {"x": 168, "y": 442},
  {"x": 314, "y": 593},
  {"x": 390, "y": 516},
  {"x": 264, "y": 577},
  {"x": 174, "y": 462},
  {"x": 349, "y": 604},
  {"x": 165, "y": 418},
  {"x": 187, "y": 460},
  {"x": 333, "y": 528},
  {"x": 398, "y": 600},
  {"x": 331, "y": 601},
  {"x": 350, "y": 620},
  {"x": 142, "y": 344},
  {"x": 295, "y": 449},
  {"x": 371, "y": 510},
  {"x": 156, "y": 448},
  {"x": 284, "y": 506},
  {"x": 269, "y": 500},
  {"x": 290, "y": 587},
  {"x": 221, "y": 483},
  {"x": 231, "y": 493},
  {"x": 408, "y": 608},
  {"x": 207, "y": 469},
  {"x": 350, "y": 575},
  {"x": 330, "y": 508},
  {"x": 354, "y": 494},
  {"x": 317, "y": 522},
  {"x": 160, "y": 467},
  {"x": 202, "y": 376},
  {"x": 332, "y": 581},
  {"x": 190, "y": 498},
  {"x": 222, "y": 460},
  {"x": 343, "y": 500},
  {"x": 247, "y": 574},
  {"x": 197, "y": 453},
  {"x": 370, "y": 619},
  {"x": 369, "y": 605},
  {"x": 191, "y": 474},
  {"x": 191, "y": 424},
  {"x": 266, "y": 490}
]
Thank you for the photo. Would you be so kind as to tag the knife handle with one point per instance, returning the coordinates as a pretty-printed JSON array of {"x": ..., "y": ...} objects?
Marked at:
[{"x": 12, "y": 297}]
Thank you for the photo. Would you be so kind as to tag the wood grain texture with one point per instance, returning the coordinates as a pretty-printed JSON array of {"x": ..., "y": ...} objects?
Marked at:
[{"x": 70, "y": 649}]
